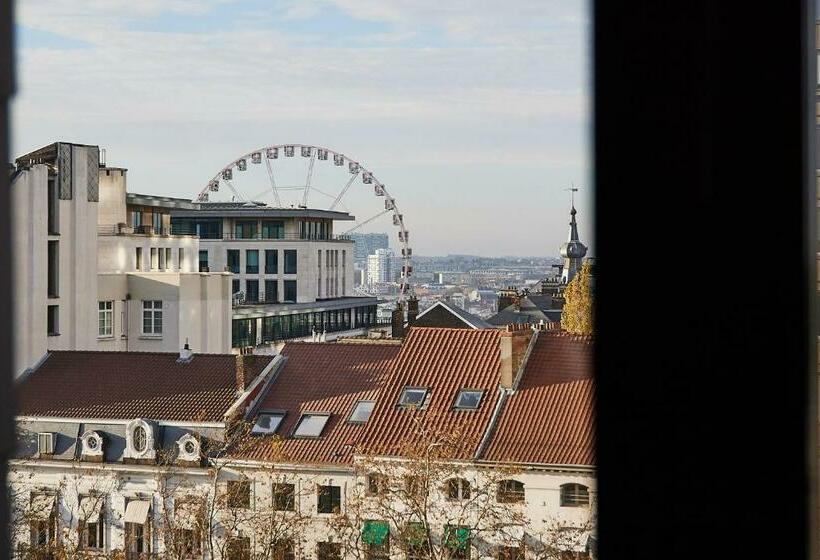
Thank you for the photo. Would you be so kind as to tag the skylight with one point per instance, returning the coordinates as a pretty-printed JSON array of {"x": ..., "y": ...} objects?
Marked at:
[
  {"x": 361, "y": 412},
  {"x": 267, "y": 423},
  {"x": 311, "y": 425},
  {"x": 412, "y": 396},
  {"x": 468, "y": 398}
]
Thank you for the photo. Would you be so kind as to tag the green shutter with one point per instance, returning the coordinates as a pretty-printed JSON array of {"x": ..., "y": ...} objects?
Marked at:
[
  {"x": 456, "y": 537},
  {"x": 375, "y": 532}
]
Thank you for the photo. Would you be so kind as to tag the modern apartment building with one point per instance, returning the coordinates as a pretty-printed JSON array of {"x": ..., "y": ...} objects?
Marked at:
[
  {"x": 380, "y": 267},
  {"x": 85, "y": 280},
  {"x": 367, "y": 244},
  {"x": 291, "y": 274}
]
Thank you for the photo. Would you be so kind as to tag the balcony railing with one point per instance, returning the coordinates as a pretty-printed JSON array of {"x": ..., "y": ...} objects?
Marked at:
[
  {"x": 123, "y": 229},
  {"x": 258, "y": 236}
]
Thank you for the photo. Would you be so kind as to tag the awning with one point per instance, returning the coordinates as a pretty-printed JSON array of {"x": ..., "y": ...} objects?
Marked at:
[
  {"x": 41, "y": 506},
  {"x": 137, "y": 512},
  {"x": 187, "y": 513},
  {"x": 415, "y": 534},
  {"x": 375, "y": 532},
  {"x": 90, "y": 508},
  {"x": 456, "y": 537}
]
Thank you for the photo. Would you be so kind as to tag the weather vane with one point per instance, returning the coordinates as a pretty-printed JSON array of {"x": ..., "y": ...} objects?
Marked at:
[{"x": 572, "y": 190}]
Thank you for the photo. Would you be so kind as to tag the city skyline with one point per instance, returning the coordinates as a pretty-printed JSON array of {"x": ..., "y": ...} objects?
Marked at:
[{"x": 476, "y": 120}]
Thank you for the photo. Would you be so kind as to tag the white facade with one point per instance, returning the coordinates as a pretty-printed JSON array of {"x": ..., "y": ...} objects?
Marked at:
[{"x": 379, "y": 267}]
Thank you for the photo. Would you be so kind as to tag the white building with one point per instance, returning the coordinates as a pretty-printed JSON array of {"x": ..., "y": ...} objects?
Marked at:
[
  {"x": 325, "y": 441},
  {"x": 380, "y": 267},
  {"x": 88, "y": 281}
]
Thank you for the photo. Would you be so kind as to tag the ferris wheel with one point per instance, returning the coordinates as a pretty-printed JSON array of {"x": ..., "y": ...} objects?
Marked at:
[{"x": 305, "y": 176}]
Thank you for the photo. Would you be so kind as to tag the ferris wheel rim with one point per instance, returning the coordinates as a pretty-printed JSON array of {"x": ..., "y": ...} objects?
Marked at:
[{"x": 405, "y": 285}]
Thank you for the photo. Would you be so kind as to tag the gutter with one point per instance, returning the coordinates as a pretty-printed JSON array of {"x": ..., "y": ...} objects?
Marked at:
[{"x": 235, "y": 407}]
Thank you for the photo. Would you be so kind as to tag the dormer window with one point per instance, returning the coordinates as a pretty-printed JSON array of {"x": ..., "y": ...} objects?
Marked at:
[
  {"x": 91, "y": 443},
  {"x": 413, "y": 396},
  {"x": 45, "y": 443},
  {"x": 139, "y": 440},
  {"x": 188, "y": 448}
]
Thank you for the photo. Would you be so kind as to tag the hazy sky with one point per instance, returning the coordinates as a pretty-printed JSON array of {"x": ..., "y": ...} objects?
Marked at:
[{"x": 475, "y": 114}]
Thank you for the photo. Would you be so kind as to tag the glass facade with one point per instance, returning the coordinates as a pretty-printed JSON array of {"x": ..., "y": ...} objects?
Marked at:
[
  {"x": 243, "y": 332},
  {"x": 290, "y": 261},
  {"x": 252, "y": 261},
  {"x": 283, "y": 327},
  {"x": 245, "y": 229},
  {"x": 205, "y": 228}
]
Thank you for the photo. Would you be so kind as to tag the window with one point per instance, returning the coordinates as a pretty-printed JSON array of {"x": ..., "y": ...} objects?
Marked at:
[
  {"x": 136, "y": 219},
  {"x": 377, "y": 484},
  {"x": 53, "y": 269},
  {"x": 203, "y": 261},
  {"x": 271, "y": 291},
  {"x": 53, "y": 320},
  {"x": 45, "y": 443},
  {"x": 416, "y": 542},
  {"x": 267, "y": 423},
  {"x": 252, "y": 261},
  {"x": 105, "y": 319},
  {"x": 271, "y": 261},
  {"x": 273, "y": 229},
  {"x": 154, "y": 259},
  {"x": 246, "y": 229},
  {"x": 413, "y": 396},
  {"x": 233, "y": 260},
  {"x": 457, "y": 541},
  {"x": 510, "y": 492},
  {"x": 161, "y": 254},
  {"x": 414, "y": 486},
  {"x": 187, "y": 543},
  {"x": 43, "y": 519},
  {"x": 239, "y": 548},
  {"x": 361, "y": 412},
  {"x": 311, "y": 425},
  {"x": 92, "y": 522},
  {"x": 152, "y": 317},
  {"x": 290, "y": 291},
  {"x": 574, "y": 495},
  {"x": 328, "y": 551},
  {"x": 169, "y": 259},
  {"x": 290, "y": 261},
  {"x": 376, "y": 536},
  {"x": 283, "y": 549},
  {"x": 138, "y": 265},
  {"x": 329, "y": 499},
  {"x": 283, "y": 497},
  {"x": 156, "y": 221},
  {"x": 468, "y": 399},
  {"x": 53, "y": 206},
  {"x": 234, "y": 286},
  {"x": 140, "y": 439},
  {"x": 458, "y": 489},
  {"x": 239, "y": 494},
  {"x": 181, "y": 259},
  {"x": 137, "y": 528},
  {"x": 509, "y": 553},
  {"x": 252, "y": 290}
]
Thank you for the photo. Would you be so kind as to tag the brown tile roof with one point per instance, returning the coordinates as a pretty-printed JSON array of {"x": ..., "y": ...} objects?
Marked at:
[
  {"x": 444, "y": 360},
  {"x": 550, "y": 418},
  {"x": 322, "y": 378},
  {"x": 124, "y": 385}
]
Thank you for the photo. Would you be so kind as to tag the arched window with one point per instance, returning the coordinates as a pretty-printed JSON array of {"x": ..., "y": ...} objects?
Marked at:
[
  {"x": 140, "y": 439},
  {"x": 510, "y": 491},
  {"x": 574, "y": 495},
  {"x": 457, "y": 489}
]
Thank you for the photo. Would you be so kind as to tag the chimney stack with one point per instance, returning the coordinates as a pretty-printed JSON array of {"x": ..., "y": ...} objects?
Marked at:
[
  {"x": 185, "y": 355},
  {"x": 513, "y": 344},
  {"x": 412, "y": 310},
  {"x": 397, "y": 321},
  {"x": 240, "y": 372}
]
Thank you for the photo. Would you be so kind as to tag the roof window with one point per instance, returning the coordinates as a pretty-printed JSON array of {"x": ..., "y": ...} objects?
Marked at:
[
  {"x": 413, "y": 396},
  {"x": 311, "y": 425},
  {"x": 361, "y": 412},
  {"x": 468, "y": 399},
  {"x": 267, "y": 423}
]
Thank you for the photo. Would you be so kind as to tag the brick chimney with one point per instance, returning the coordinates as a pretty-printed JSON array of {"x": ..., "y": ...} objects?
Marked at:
[
  {"x": 241, "y": 361},
  {"x": 397, "y": 321},
  {"x": 412, "y": 310},
  {"x": 513, "y": 344}
]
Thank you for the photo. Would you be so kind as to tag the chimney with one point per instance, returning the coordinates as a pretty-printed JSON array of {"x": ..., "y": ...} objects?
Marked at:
[
  {"x": 513, "y": 344},
  {"x": 185, "y": 355},
  {"x": 241, "y": 362},
  {"x": 397, "y": 321},
  {"x": 412, "y": 310}
]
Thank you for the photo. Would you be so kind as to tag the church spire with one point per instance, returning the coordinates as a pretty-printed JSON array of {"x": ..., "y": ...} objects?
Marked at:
[{"x": 573, "y": 250}]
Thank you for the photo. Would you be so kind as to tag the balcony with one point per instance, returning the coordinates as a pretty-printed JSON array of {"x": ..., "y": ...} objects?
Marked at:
[
  {"x": 123, "y": 229},
  {"x": 260, "y": 236}
]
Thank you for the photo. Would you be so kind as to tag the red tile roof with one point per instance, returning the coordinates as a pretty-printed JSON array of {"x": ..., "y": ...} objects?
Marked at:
[
  {"x": 322, "y": 378},
  {"x": 550, "y": 418},
  {"x": 444, "y": 360},
  {"x": 124, "y": 385}
]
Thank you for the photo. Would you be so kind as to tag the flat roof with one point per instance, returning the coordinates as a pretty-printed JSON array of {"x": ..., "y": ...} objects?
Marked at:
[
  {"x": 161, "y": 201},
  {"x": 255, "y": 310}
]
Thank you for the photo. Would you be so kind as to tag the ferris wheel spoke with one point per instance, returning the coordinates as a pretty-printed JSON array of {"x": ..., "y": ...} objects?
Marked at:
[
  {"x": 309, "y": 177},
  {"x": 272, "y": 182},
  {"x": 235, "y": 192},
  {"x": 367, "y": 221},
  {"x": 344, "y": 190}
]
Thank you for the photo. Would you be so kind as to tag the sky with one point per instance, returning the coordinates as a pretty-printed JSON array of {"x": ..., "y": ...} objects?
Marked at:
[{"x": 474, "y": 114}]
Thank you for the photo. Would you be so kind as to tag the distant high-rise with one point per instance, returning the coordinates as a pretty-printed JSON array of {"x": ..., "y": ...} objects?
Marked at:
[
  {"x": 367, "y": 244},
  {"x": 379, "y": 266}
]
